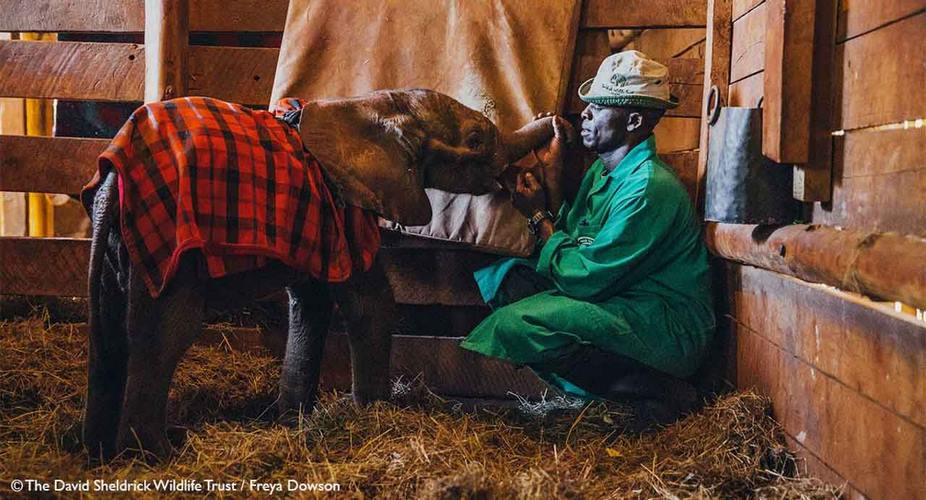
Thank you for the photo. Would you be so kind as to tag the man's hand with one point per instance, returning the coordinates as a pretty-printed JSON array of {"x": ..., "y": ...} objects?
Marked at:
[
  {"x": 529, "y": 196},
  {"x": 551, "y": 158}
]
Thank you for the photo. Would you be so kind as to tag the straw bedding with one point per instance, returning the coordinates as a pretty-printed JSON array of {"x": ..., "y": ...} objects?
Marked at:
[{"x": 417, "y": 445}]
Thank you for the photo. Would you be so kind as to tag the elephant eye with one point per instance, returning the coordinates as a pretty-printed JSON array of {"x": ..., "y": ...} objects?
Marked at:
[{"x": 474, "y": 140}]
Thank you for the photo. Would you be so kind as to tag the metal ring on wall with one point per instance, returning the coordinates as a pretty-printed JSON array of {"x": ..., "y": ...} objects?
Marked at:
[{"x": 713, "y": 105}]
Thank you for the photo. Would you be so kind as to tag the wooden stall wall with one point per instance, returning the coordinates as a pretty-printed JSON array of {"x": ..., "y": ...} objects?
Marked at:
[
  {"x": 432, "y": 282},
  {"x": 670, "y": 31},
  {"x": 845, "y": 373}
]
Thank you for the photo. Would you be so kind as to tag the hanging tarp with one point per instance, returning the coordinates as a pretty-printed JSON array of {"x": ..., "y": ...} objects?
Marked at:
[{"x": 508, "y": 59}]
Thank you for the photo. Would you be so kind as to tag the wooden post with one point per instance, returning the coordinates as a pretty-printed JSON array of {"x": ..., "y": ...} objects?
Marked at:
[
  {"x": 789, "y": 29},
  {"x": 39, "y": 121},
  {"x": 716, "y": 72},
  {"x": 813, "y": 180},
  {"x": 167, "y": 31}
]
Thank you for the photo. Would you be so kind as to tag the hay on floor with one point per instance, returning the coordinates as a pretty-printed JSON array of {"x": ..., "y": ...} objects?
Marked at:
[{"x": 416, "y": 445}]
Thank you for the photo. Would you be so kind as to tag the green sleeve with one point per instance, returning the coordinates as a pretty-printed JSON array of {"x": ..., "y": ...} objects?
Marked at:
[{"x": 622, "y": 253}]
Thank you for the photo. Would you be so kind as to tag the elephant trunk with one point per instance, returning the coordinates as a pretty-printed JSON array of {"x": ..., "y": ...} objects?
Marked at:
[{"x": 520, "y": 142}]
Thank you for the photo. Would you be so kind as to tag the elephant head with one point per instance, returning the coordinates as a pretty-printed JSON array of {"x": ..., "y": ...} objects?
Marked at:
[{"x": 381, "y": 150}]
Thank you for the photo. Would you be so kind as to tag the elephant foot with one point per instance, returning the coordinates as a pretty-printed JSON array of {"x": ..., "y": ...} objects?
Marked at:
[{"x": 150, "y": 446}]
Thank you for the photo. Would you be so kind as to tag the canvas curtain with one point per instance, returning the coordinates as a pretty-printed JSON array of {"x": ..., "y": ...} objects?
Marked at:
[{"x": 508, "y": 59}]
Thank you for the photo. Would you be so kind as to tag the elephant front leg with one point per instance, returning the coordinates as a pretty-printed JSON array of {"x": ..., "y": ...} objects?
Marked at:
[
  {"x": 369, "y": 308},
  {"x": 309, "y": 317}
]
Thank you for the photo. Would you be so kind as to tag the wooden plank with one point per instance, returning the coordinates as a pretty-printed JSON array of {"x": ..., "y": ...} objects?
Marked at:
[
  {"x": 438, "y": 362},
  {"x": 836, "y": 423},
  {"x": 685, "y": 165},
  {"x": 747, "y": 92},
  {"x": 718, "y": 45},
  {"x": 884, "y": 202},
  {"x": 435, "y": 277},
  {"x": 812, "y": 466},
  {"x": 237, "y": 74},
  {"x": 239, "y": 15},
  {"x": 642, "y": 13},
  {"x": 880, "y": 176},
  {"x": 861, "y": 344},
  {"x": 43, "y": 266},
  {"x": 857, "y": 18},
  {"x": 871, "y": 152},
  {"x": 441, "y": 365},
  {"x": 787, "y": 71},
  {"x": 748, "y": 47},
  {"x": 591, "y": 48},
  {"x": 689, "y": 97},
  {"x": 72, "y": 70},
  {"x": 686, "y": 70},
  {"x": 664, "y": 44},
  {"x": 418, "y": 277},
  {"x": 741, "y": 7},
  {"x": 677, "y": 134},
  {"x": 813, "y": 179},
  {"x": 870, "y": 86},
  {"x": 111, "y": 16},
  {"x": 167, "y": 36},
  {"x": 121, "y": 16},
  {"x": 47, "y": 164}
]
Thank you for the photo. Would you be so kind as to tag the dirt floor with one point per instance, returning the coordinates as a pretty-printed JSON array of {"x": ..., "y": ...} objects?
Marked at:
[{"x": 417, "y": 445}]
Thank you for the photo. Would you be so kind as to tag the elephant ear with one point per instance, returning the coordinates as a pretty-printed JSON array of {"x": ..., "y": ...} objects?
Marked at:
[{"x": 372, "y": 160}]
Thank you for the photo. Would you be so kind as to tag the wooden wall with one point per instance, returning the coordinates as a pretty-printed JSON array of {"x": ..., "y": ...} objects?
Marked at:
[
  {"x": 846, "y": 374},
  {"x": 670, "y": 31}
]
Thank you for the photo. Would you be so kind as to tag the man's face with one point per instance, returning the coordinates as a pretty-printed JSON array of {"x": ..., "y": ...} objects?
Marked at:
[{"x": 604, "y": 128}]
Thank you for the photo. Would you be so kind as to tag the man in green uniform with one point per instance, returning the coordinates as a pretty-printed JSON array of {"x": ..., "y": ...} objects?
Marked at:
[{"x": 616, "y": 302}]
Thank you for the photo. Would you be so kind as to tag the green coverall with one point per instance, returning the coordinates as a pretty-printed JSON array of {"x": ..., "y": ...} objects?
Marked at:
[{"x": 629, "y": 275}]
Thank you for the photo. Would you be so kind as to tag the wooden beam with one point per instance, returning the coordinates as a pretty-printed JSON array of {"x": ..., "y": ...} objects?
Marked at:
[
  {"x": 747, "y": 54},
  {"x": 47, "y": 164},
  {"x": 238, "y": 15},
  {"x": 813, "y": 179},
  {"x": 72, "y": 70},
  {"x": 789, "y": 44},
  {"x": 237, "y": 74},
  {"x": 857, "y": 18},
  {"x": 716, "y": 73},
  {"x": 863, "y": 344},
  {"x": 643, "y": 14},
  {"x": 870, "y": 87},
  {"x": 418, "y": 277},
  {"x": 167, "y": 34},
  {"x": 110, "y": 16},
  {"x": 884, "y": 265}
]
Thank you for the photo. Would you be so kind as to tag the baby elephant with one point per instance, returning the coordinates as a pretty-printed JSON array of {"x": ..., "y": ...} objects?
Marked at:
[{"x": 192, "y": 188}]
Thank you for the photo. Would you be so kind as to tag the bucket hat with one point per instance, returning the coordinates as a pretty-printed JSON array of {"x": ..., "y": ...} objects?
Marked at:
[{"x": 629, "y": 78}]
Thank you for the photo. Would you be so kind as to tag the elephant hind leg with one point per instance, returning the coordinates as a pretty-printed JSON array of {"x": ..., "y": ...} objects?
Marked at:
[
  {"x": 106, "y": 368},
  {"x": 160, "y": 331},
  {"x": 310, "y": 308},
  {"x": 369, "y": 308}
]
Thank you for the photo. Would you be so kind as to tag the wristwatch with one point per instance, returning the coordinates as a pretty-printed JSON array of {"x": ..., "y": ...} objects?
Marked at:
[{"x": 533, "y": 222}]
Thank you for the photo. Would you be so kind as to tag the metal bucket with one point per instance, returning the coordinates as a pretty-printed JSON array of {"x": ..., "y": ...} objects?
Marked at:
[{"x": 743, "y": 186}]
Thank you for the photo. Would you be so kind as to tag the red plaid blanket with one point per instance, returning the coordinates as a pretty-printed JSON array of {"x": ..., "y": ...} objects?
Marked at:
[{"x": 235, "y": 183}]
